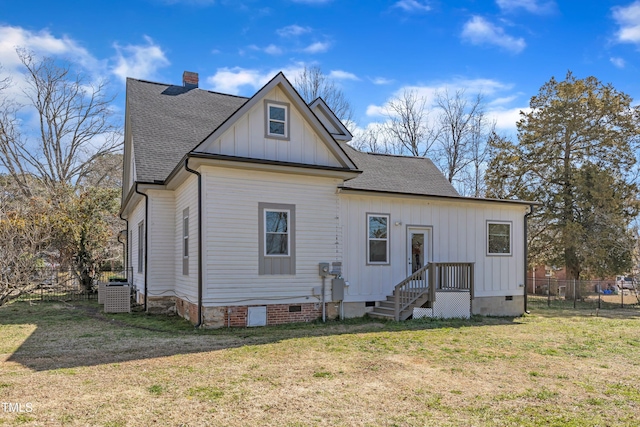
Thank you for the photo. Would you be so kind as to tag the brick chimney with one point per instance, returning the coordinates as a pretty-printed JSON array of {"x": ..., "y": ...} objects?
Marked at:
[{"x": 190, "y": 79}]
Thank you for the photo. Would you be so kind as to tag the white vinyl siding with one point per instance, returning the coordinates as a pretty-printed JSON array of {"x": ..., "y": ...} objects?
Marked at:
[
  {"x": 233, "y": 249},
  {"x": 458, "y": 235},
  {"x": 247, "y": 138},
  {"x": 135, "y": 218},
  {"x": 186, "y": 197},
  {"x": 161, "y": 258}
]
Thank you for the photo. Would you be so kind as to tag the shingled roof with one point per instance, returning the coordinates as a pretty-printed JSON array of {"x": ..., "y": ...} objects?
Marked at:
[
  {"x": 398, "y": 174},
  {"x": 167, "y": 122}
]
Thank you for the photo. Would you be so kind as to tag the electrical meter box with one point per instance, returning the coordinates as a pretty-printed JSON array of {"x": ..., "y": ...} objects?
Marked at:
[
  {"x": 336, "y": 268},
  {"x": 323, "y": 269},
  {"x": 337, "y": 289}
]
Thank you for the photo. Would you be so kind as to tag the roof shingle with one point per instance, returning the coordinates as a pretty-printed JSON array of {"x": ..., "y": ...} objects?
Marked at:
[
  {"x": 398, "y": 174},
  {"x": 169, "y": 121}
]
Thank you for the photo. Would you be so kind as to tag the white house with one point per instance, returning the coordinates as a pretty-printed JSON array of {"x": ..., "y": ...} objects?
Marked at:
[{"x": 250, "y": 211}]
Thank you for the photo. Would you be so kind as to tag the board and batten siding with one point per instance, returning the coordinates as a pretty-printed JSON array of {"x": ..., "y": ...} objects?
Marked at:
[
  {"x": 231, "y": 235},
  {"x": 161, "y": 276},
  {"x": 186, "y": 196},
  {"x": 246, "y": 138},
  {"x": 459, "y": 234}
]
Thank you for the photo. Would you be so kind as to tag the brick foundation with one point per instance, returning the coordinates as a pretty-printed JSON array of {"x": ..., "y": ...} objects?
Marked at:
[
  {"x": 236, "y": 316},
  {"x": 187, "y": 310}
]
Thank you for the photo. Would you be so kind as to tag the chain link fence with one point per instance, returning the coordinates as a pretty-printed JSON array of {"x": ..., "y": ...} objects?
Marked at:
[{"x": 582, "y": 294}]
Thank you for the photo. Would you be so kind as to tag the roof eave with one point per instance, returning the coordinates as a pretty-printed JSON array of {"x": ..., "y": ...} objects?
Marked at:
[{"x": 368, "y": 191}]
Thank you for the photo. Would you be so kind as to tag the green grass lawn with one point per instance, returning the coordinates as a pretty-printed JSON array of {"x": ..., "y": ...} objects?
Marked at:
[{"x": 69, "y": 364}]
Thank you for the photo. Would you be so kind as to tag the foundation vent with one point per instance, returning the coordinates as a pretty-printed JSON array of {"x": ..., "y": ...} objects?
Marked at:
[{"x": 257, "y": 316}]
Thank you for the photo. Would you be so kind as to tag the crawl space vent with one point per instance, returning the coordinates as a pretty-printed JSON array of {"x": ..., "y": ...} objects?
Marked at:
[{"x": 257, "y": 316}]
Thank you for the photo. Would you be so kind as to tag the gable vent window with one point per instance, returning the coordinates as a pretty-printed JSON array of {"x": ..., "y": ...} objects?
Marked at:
[{"x": 277, "y": 120}]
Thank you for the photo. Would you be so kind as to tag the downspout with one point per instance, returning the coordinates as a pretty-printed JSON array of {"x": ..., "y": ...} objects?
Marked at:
[
  {"x": 125, "y": 253},
  {"x": 526, "y": 253},
  {"x": 146, "y": 241},
  {"x": 188, "y": 169},
  {"x": 124, "y": 248}
]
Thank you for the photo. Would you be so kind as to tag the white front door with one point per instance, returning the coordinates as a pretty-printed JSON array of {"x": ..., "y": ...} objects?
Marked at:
[{"x": 418, "y": 243}]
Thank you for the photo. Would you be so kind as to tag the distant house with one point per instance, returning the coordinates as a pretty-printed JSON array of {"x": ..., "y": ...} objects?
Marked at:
[{"x": 252, "y": 211}]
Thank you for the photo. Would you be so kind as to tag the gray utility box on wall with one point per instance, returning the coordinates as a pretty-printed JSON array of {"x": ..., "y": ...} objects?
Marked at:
[{"x": 337, "y": 289}]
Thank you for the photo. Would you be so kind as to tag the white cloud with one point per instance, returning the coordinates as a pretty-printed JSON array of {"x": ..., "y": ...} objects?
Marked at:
[
  {"x": 628, "y": 18},
  {"x": 412, "y": 6},
  {"x": 506, "y": 119},
  {"x": 490, "y": 89},
  {"x": 479, "y": 31},
  {"x": 342, "y": 75},
  {"x": 42, "y": 43},
  {"x": 381, "y": 81},
  {"x": 317, "y": 47},
  {"x": 503, "y": 100},
  {"x": 531, "y": 6},
  {"x": 617, "y": 61},
  {"x": 376, "y": 110},
  {"x": 273, "y": 50},
  {"x": 292, "y": 31},
  {"x": 234, "y": 80},
  {"x": 139, "y": 61},
  {"x": 270, "y": 50}
]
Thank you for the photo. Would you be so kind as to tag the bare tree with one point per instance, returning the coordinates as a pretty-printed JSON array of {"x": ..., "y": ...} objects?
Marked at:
[
  {"x": 464, "y": 131},
  {"x": 473, "y": 176},
  {"x": 374, "y": 139},
  {"x": 25, "y": 232},
  {"x": 408, "y": 123},
  {"x": 74, "y": 126},
  {"x": 312, "y": 83}
]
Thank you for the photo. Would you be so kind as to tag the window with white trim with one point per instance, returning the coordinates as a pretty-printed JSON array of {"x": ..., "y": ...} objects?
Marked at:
[
  {"x": 377, "y": 239},
  {"x": 498, "y": 238},
  {"x": 140, "y": 246},
  {"x": 185, "y": 242},
  {"x": 277, "y": 120},
  {"x": 276, "y": 238},
  {"x": 276, "y": 229}
]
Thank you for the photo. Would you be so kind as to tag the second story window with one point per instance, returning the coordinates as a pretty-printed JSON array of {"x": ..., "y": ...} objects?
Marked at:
[{"x": 277, "y": 120}]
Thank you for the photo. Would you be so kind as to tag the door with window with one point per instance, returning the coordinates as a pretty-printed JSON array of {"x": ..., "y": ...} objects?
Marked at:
[{"x": 418, "y": 243}]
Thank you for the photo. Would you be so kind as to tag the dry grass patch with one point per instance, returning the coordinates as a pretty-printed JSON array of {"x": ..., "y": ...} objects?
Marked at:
[{"x": 77, "y": 367}]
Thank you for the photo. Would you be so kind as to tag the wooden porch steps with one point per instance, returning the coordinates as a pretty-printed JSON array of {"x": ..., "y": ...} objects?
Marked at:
[{"x": 386, "y": 309}]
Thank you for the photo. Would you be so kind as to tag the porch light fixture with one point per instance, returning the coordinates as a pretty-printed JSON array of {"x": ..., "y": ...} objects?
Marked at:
[{"x": 398, "y": 223}]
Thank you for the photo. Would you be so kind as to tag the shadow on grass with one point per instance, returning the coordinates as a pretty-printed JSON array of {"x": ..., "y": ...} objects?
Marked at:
[{"x": 55, "y": 335}]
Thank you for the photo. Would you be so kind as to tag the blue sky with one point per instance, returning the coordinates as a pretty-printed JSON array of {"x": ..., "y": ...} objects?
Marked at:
[{"x": 374, "y": 50}]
